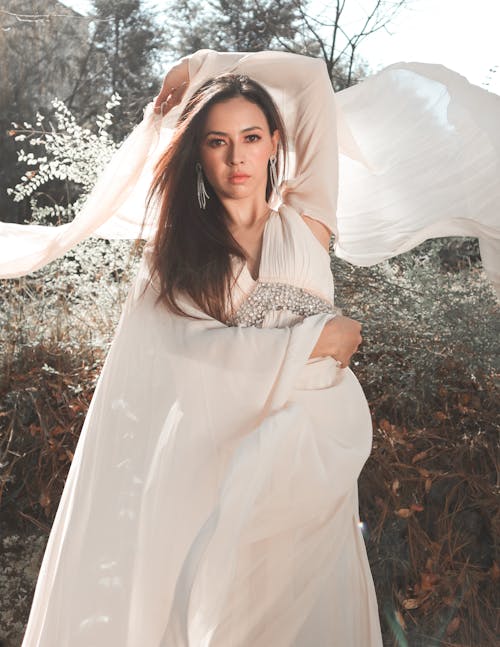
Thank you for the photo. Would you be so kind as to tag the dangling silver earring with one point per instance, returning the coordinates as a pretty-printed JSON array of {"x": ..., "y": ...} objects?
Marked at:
[
  {"x": 274, "y": 176},
  {"x": 200, "y": 187}
]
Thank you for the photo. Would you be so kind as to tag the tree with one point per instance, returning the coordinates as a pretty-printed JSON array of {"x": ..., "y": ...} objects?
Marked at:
[
  {"x": 298, "y": 26},
  {"x": 124, "y": 47},
  {"x": 50, "y": 51},
  {"x": 227, "y": 25},
  {"x": 327, "y": 32},
  {"x": 39, "y": 45}
]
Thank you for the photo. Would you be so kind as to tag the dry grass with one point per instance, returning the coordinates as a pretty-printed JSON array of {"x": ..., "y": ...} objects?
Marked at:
[{"x": 428, "y": 494}]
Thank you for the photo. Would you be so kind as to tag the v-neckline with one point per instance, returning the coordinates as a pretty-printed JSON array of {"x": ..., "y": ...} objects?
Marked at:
[{"x": 262, "y": 251}]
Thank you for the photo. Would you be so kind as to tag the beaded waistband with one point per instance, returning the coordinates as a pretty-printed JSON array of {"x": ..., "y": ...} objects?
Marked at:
[{"x": 278, "y": 296}]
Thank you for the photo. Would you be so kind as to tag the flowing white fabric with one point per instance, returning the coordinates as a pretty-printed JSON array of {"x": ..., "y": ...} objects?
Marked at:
[
  {"x": 212, "y": 499},
  {"x": 421, "y": 160},
  {"x": 416, "y": 148}
]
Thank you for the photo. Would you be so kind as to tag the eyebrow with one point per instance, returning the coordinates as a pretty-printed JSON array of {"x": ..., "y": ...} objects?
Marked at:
[{"x": 220, "y": 132}]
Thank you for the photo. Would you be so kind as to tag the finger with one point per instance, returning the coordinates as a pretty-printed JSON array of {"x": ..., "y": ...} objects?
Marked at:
[
  {"x": 177, "y": 94},
  {"x": 160, "y": 108},
  {"x": 164, "y": 106},
  {"x": 158, "y": 104},
  {"x": 165, "y": 92},
  {"x": 169, "y": 97}
]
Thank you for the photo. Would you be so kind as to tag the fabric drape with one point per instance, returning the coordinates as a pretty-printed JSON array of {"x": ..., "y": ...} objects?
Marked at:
[
  {"x": 212, "y": 498},
  {"x": 410, "y": 153},
  {"x": 191, "y": 452}
]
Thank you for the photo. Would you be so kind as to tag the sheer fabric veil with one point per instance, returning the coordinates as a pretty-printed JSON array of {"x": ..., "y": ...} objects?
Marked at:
[{"x": 413, "y": 153}]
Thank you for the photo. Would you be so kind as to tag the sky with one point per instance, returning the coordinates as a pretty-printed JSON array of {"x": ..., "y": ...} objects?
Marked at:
[{"x": 460, "y": 34}]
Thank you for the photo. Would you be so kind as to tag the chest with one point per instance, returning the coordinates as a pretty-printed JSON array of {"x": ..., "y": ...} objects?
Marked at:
[
  {"x": 291, "y": 272},
  {"x": 251, "y": 240}
]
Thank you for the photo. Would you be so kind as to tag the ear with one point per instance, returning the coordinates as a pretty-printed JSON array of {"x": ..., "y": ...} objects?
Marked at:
[{"x": 275, "y": 137}]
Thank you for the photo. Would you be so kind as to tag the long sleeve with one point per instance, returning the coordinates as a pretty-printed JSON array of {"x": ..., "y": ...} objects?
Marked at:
[
  {"x": 302, "y": 90},
  {"x": 115, "y": 207},
  {"x": 183, "y": 410},
  {"x": 409, "y": 154}
]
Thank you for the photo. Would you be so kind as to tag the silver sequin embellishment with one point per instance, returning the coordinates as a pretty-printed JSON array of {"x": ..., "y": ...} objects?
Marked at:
[{"x": 278, "y": 296}]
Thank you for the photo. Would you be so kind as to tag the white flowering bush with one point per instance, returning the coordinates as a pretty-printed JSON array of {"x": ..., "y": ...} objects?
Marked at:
[
  {"x": 75, "y": 300},
  {"x": 71, "y": 152}
]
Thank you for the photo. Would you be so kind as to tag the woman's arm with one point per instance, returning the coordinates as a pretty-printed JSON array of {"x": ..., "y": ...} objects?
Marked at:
[
  {"x": 340, "y": 338},
  {"x": 302, "y": 90},
  {"x": 173, "y": 87}
]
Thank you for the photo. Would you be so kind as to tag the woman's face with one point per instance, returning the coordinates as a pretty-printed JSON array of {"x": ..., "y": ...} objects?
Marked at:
[{"x": 235, "y": 148}]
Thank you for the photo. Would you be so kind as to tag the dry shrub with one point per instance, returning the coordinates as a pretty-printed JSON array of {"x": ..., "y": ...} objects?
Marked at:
[{"x": 429, "y": 492}]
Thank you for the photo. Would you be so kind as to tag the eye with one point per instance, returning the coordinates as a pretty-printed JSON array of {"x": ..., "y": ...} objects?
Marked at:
[
  {"x": 214, "y": 142},
  {"x": 254, "y": 135}
]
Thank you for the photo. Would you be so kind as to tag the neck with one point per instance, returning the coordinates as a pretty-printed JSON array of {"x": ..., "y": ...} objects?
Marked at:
[{"x": 245, "y": 214}]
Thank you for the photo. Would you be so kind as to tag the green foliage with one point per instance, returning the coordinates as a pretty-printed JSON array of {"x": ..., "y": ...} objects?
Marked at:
[
  {"x": 226, "y": 25},
  {"x": 77, "y": 297},
  {"x": 421, "y": 325},
  {"x": 126, "y": 45},
  {"x": 298, "y": 26},
  {"x": 429, "y": 491}
]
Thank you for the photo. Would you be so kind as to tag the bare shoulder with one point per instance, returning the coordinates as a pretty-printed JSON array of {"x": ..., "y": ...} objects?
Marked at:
[{"x": 321, "y": 232}]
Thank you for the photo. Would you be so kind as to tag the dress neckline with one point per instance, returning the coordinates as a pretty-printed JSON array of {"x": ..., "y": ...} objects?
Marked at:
[{"x": 262, "y": 251}]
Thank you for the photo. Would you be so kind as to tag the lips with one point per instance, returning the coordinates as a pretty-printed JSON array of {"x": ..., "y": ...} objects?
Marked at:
[{"x": 238, "y": 177}]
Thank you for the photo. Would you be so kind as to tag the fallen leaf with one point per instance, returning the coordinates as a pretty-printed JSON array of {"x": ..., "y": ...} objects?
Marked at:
[
  {"x": 495, "y": 571},
  {"x": 419, "y": 456},
  {"x": 417, "y": 507},
  {"x": 34, "y": 429},
  {"x": 404, "y": 513},
  {"x": 385, "y": 425},
  {"x": 428, "y": 581},
  {"x": 465, "y": 397},
  {"x": 44, "y": 500},
  {"x": 410, "y": 603},
  {"x": 395, "y": 486}
]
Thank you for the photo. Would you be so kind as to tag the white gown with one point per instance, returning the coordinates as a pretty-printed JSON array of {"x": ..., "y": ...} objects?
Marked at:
[{"x": 212, "y": 498}]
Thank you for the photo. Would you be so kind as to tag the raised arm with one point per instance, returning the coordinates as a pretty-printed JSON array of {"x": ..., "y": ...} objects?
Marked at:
[{"x": 301, "y": 87}]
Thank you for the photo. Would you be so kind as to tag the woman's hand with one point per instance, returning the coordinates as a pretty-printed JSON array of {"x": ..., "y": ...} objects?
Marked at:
[
  {"x": 174, "y": 85},
  {"x": 340, "y": 339}
]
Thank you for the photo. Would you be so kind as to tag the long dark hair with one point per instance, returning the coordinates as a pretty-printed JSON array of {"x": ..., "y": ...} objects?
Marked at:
[{"x": 192, "y": 246}]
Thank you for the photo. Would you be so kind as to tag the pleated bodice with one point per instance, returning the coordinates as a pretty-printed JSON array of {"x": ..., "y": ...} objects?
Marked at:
[{"x": 294, "y": 279}]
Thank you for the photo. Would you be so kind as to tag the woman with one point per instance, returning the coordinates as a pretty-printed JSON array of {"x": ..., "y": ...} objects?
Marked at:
[{"x": 212, "y": 498}]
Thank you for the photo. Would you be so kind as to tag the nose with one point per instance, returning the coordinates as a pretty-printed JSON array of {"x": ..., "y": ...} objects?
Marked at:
[{"x": 235, "y": 154}]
